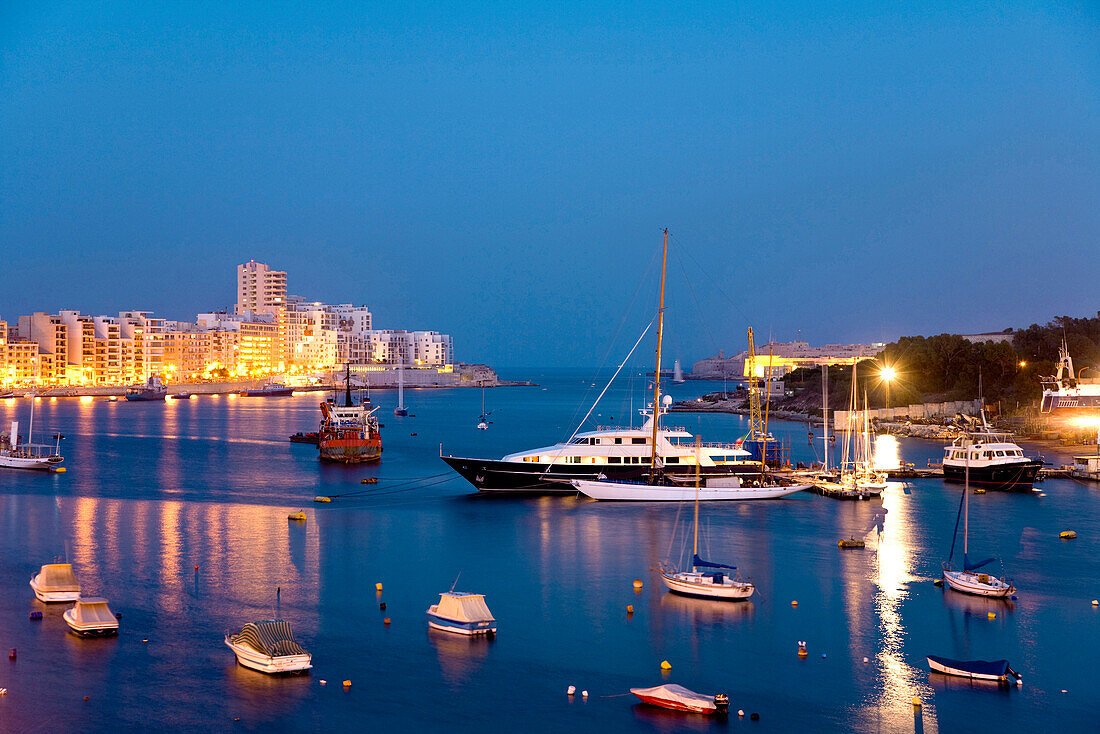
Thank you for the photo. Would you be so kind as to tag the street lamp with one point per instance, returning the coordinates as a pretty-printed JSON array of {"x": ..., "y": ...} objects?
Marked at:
[{"x": 887, "y": 374}]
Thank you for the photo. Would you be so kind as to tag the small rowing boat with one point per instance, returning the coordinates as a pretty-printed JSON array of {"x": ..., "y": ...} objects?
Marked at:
[
  {"x": 678, "y": 698},
  {"x": 997, "y": 670}
]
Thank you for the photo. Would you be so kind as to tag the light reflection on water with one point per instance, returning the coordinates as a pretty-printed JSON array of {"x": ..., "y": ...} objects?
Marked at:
[{"x": 152, "y": 491}]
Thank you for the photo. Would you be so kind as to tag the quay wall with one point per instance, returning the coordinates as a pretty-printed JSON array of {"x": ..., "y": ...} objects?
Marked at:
[{"x": 910, "y": 412}]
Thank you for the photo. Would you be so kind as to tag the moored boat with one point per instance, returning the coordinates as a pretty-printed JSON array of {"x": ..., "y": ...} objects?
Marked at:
[
  {"x": 18, "y": 454},
  {"x": 726, "y": 488},
  {"x": 300, "y": 437},
  {"x": 1068, "y": 395},
  {"x": 55, "y": 582},
  {"x": 463, "y": 613},
  {"x": 349, "y": 433},
  {"x": 678, "y": 698},
  {"x": 270, "y": 390},
  {"x": 968, "y": 579},
  {"x": 995, "y": 670},
  {"x": 269, "y": 647},
  {"x": 91, "y": 617},
  {"x": 153, "y": 389}
]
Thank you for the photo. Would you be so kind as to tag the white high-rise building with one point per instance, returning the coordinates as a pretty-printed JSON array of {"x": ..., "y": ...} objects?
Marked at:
[{"x": 260, "y": 289}]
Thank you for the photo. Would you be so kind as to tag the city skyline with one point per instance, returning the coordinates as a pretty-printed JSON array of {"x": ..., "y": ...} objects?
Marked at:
[{"x": 504, "y": 172}]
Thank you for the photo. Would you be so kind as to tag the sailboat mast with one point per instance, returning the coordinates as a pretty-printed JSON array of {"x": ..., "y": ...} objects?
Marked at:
[
  {"x": 657, "y": 373},
  {"x": 825, "y": 410},
  {"x": 966, "y": 504},
  {"x": 695, "y": 542}
]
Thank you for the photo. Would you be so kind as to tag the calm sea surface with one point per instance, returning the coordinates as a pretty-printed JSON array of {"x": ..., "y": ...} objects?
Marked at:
[{"x": 177, "y": 513}]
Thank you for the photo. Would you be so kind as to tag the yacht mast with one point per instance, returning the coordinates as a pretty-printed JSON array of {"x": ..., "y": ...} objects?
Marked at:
[
  {"x": 825, "y": 410},
  {"x": 657, "y": 373}
]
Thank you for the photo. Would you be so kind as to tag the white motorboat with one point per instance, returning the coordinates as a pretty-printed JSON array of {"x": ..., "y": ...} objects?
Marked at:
[
  {"x": 91, "y": 617},
  {"x": 462, "y": 613},
  {"x": 969, "y": 580},
  {"x": 678, "y": 698},
  {"x": 269, "y": 647},
  {"x": 55, "y": 582},
  {"x": 716, "y": 488}
]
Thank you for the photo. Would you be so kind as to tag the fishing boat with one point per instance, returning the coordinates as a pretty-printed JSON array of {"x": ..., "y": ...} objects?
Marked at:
[
  {"x": 269, "y": 647},
  {"x": 270, "y": 390},
  {"x": 462, "y": 613},
  {"x": 349, "y": 433},
  {"x": 18, "y": 454},
  {"x": 300, "y": 437},
  {"x": 658, "y": 485},
  {"x": 153, "y": 389},
  {"x": 678, "y": 698},
  {"x": 969, "y": 580},
  {"x": 400, "y": 411},
  {"x": 677, "y": 373},
  {"x": 995, "y": 670},
  {"x": 55, "y": 582},
  {"x": 713, "y": 584},
  {"x": 91, "y": 617}
]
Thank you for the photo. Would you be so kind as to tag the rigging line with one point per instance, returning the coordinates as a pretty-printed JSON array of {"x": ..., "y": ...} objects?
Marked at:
[
  {"x": 717, "y": 287},
  {"x": 579, "y": 425},
  {"x": 384, "y": 490},
  {"x": 425, "y": 485},
  {"x": 675, "y": 527},
  {"x": 614, "y": 340}
]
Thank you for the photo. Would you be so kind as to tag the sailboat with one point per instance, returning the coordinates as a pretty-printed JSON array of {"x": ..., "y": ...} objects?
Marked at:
[
  {"x": 857, "y": 477},
  {"x": 660, "y": 486},
  {"x": 15, "y": 454},
  {"x": 483, "y": 420},
  {"x": 677, "y": 373},
  {"x": 714, "y": 584},
  {"x": 400, "y": 411},
  {"x": 969, "y": 580}
]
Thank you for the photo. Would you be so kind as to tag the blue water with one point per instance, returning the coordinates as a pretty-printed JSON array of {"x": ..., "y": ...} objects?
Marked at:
[{"x": 154, "y": 491}]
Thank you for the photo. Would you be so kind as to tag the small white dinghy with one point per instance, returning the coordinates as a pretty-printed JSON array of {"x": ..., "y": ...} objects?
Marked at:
[
  {"x": 91, "y": 617},
  {"x": 678, "y": 698},
  {"x": 269, "y": 647},
  {"x": 56, "y": 582},
  {"x": 462, "y": 613}
]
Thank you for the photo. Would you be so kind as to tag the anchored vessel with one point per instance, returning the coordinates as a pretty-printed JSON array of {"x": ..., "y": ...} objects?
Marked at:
[
  {"x": 969, "y": 580},
  {"x": 91, "y": 617},
  {"x": 269, "y": 647},
  {"x": 270, "y": 390},
  {"x": 462, "y": 613},
  {"x": 56, "y": 582},
  {"x": 153, "y": 389},
  {"x": 349, "y": 433},
  {"x": 678, "y": 698},
  {"x": 16, "y": 454},
  {"x": 997, "y": 670}
]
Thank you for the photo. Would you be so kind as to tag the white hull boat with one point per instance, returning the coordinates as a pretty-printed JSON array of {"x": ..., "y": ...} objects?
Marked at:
[
  {"x": 269, "y": 647},
  {"x": 462, "y": 613},
  {"x": 55, "y": 582},
  {"x": 91, "y": 617},
  {"x": 997, "y": 670},
  {"x": 707, "y": 585},
  {"x": 637, "y": 492},
  {"x": 979, "y": 584}
]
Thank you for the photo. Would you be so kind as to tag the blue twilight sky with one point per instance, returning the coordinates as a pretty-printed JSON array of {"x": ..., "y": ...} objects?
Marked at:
[{"x": 502, "y": 171}]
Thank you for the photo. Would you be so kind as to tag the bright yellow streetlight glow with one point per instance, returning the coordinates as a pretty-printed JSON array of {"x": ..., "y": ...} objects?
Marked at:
[
  {"x": 887, "y": 373},
  {"x": 1023, "y": 363}
]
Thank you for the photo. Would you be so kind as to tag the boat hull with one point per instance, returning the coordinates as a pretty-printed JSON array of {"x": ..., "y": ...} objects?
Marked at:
[
  {"x": 1014, "y": 477},
  {"x": 249, "y": 658},
  {"x": 637, "y": 492},
  {"x": 445, "y": 624},
  {"x": 51, "y": 597},
  {"x": 89, "y": 630},
  {"x": 977, "y": 584},
  {"x": 275, "y": 393},
  {"x": 522, "y": 477},
  {"x": 38, "y": 463},
  {"x": 701, "y": 586},
  {"x": 674, "y": 705},
  {"x": 942, "y": 665},
  {"x": 349, "y": 450}
]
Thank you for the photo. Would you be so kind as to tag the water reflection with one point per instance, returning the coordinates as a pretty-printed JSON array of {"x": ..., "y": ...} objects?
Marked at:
[
  {"x": 665, "y": 720},
  {"x": 460, "y": 656},
  {"x": 704, "y": 612}
]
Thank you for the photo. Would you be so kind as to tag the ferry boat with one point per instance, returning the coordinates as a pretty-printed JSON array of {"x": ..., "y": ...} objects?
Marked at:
[
  {"x": 614, "y": 453},
  {"x": 1067, "y": 394},
  {"x": 270, "y": 390},
  {"x": 153, "y": 389},
  {"x": 349, "y": 433}
]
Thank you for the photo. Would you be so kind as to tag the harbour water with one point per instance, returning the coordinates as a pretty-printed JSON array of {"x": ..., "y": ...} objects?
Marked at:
[{"x": 177, "y": 513}]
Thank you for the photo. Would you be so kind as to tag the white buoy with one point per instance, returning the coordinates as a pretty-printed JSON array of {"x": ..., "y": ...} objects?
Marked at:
[
  {"x": 740, "y": 712},
  {"x": 571, "y": 690},
  {"x": 865, "y": 660},
  {"x": 584, "y": 694}
]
